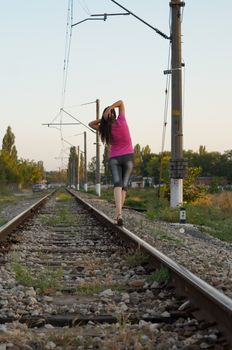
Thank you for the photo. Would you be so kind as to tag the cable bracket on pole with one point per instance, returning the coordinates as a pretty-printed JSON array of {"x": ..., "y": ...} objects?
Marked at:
[
  {"x": 170, "y": 71},
  {"x": 88, "y": 19},
  {"x": 105, "y": 15}
]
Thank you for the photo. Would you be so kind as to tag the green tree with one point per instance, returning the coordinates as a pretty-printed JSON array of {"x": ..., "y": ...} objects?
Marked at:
[
  {"x": 137, "y": 160},
  {"x": 82, "y": 168},
  {"x": 2, "y": 172},
  {"x": 72, "y": 166},
  {"x": 158, "y": 167},
  {"x": 92, "y": 169},
  {"x": 202, "y": 150},
  {"x": 57, "y": 176},
  {"x": 226, "y": 165},
  {"x": 30, "y": 172},
  {"x": 8, "y": 145},
  {"x": 9, "y": 158},
  {"x": 146, "y": 156},
  {"x": 191, "y": 190}
]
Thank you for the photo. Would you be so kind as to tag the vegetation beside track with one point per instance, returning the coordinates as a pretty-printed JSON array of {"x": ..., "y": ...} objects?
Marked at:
[
  {"x": 9, "y": 202},
  {"x": 13, "y": 198},
  {"x": 213, "y": 212}
]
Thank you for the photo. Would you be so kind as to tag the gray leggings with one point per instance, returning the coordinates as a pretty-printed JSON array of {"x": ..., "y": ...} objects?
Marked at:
[{"x": 121, "y": 169}]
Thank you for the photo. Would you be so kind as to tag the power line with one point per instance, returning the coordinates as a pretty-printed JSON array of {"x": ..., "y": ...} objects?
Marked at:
[
  {"x": 65, "y": 70},
  {"x": 84, "y": 7},
  {"x": 167, "y": 90},
  {"x": 67, "y": 50},
  {"x": 78, "y": 120},
  {"x": 166, "y": 103}
]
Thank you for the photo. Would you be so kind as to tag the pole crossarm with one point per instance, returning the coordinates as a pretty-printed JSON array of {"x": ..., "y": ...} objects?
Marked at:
[
  {"x": 141, "y": 20},
  {"x": 48, "y": 124},
  {"x": 105, "y": 15},
  {"x": 102, "y": 15},
  {"x": 88, "y": 103}
]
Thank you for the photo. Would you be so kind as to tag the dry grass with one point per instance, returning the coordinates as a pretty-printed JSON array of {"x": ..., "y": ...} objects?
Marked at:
[
  {"x": 113, "y": 337},
  {"x": 222, "y": 200},
  {"x": 19, "y": 335}
]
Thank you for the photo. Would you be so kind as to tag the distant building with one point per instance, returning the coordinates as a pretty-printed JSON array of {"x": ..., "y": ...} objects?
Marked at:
[
  {"x": 209, "y": 180},
  {"x": 140, "y": 182}
]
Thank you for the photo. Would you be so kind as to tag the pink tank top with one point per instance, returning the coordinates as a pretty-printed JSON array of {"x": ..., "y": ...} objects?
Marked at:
[{"x": 120, "y": 138}]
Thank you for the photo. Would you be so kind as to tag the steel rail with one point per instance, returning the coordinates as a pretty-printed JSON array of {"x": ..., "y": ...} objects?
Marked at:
[
  {"x": 212, "y": 305},
  {"x": 7, "y": 228}
]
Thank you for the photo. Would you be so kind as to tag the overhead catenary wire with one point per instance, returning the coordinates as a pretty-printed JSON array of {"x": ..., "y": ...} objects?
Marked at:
[
  {"x": 166, "y": 102},
  {"x": 166, "y": 106},
  {"x": 84, "y": 6},
  {"x": 68, "y": 38},
  {"x": 141, "y": 20},
  {"x": 78, "y": 120},
  {"x": 67, "y": 56}
]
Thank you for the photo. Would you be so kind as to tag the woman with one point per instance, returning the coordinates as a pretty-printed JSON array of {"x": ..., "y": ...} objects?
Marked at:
[{"x": 114, "y": 131}]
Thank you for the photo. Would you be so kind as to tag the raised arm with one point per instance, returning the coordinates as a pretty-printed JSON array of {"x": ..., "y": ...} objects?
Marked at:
[
  {"x": 94, "y": 124},
  {"x": 118, "y": 104}
]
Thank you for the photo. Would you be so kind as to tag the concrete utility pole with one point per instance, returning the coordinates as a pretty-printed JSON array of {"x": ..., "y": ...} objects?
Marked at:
[
  {"x": 78, "y": 168},
  {"x": 85, "y": 165},
  {"x": 74, "y": 170},
  {"x": 177, "y": 164},
  {"x": 98, "y": 176}
]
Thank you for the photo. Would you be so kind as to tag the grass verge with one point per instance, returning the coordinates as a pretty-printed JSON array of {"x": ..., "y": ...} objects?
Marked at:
[{"x": 213, "y": 212}]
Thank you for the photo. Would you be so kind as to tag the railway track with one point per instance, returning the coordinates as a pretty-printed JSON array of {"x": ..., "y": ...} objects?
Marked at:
[{"x": 76, "y": 281}]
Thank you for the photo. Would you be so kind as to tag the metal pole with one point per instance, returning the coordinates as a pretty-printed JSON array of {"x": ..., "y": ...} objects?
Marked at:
[
  {"x": 69, "y": 173},
  {"x": 85, "y": 165},
  {"x": 98, "y": 177},
  {"x": 73, "y": 171},
  {"x": 78, "y": 168},
  {"x": 75, "y": 168},
  {"x": 177, "y": 163}
]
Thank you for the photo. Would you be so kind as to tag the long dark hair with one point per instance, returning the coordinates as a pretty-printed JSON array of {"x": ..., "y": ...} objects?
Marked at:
[{"x": 105, "y": 127}]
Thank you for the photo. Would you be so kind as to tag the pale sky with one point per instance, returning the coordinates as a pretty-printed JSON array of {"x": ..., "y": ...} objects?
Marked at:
[{"x": 120, "y": 58}]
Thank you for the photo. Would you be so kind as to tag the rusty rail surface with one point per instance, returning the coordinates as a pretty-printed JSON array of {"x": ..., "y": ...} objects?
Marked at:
[
  {"x": 7, "y": 228},
  {"x": 211, "y": 304}
]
